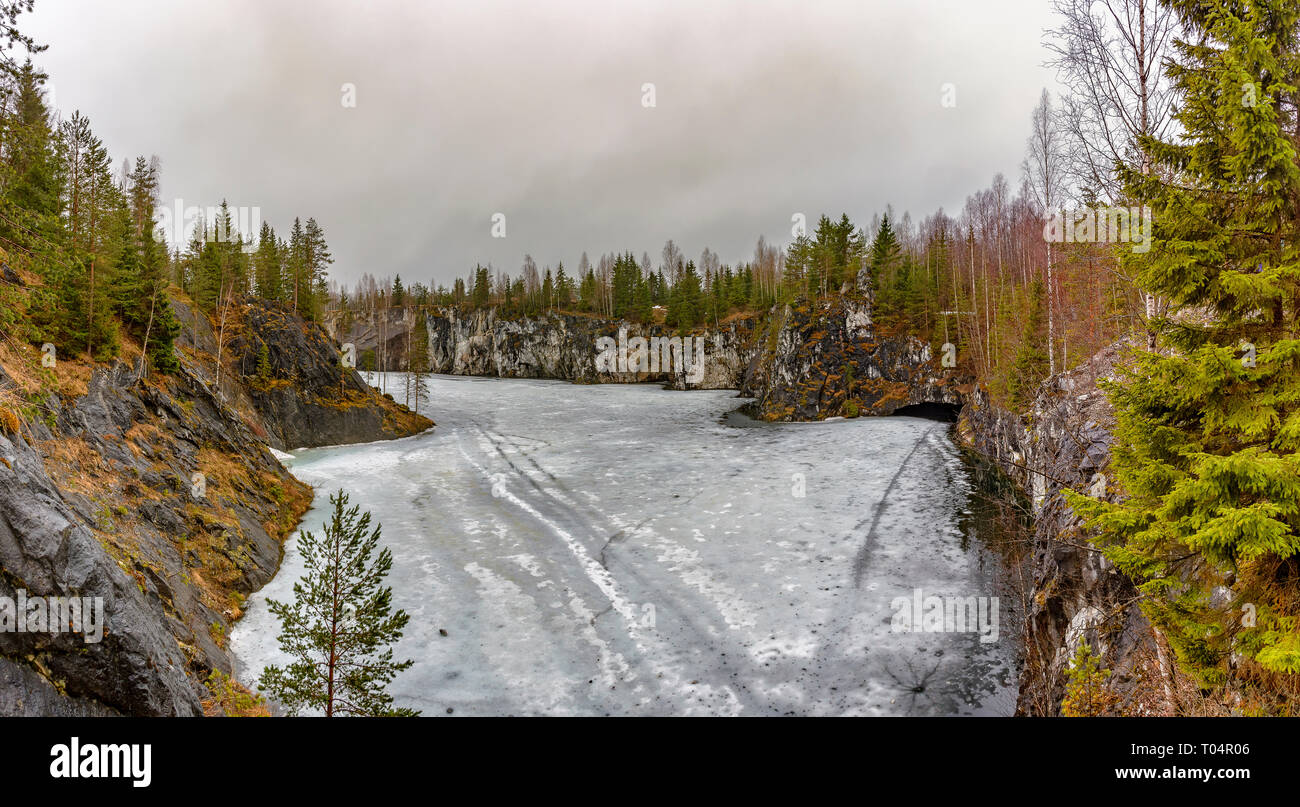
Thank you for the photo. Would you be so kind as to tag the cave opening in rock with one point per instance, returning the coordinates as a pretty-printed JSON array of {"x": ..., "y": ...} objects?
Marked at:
[{"x": 947, "y": 413}]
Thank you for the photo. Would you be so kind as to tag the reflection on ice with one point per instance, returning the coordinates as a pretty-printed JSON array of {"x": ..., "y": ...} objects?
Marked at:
[{"x": 631, "y": 550}]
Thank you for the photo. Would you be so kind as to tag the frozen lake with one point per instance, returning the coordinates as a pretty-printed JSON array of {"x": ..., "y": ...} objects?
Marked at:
[{"x": 624, "y": 549}]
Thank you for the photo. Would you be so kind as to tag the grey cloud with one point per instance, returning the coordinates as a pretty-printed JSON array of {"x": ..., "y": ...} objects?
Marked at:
[{"x": 465, "y": 109}]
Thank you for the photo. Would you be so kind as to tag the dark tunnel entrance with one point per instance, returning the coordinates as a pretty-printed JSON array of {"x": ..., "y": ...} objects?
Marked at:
[{"x": 943, "y": 412}]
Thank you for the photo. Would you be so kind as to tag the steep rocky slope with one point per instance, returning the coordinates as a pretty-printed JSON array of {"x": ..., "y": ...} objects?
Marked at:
[
  {"x": 302, "y": 395},
  {"x": 1076, "y": 595},
  {"x": 160, "y": 496},
  {"x": 46, "y": 548},
  {"x": 154, "y": 496}
]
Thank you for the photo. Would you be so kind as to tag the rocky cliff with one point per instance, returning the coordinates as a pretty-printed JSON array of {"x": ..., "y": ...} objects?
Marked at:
[
  {"x": 807, "y": 361},
  {"x": 301, "y": 394},
  {"x": 1075, "y": 594},
  {"x": 160, "y": 496},
  {"x": 556, "y": 345},
  {"x": 824, "y": 358}
]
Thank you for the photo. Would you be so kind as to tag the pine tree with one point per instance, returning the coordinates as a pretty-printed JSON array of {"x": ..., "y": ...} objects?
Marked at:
[
  {"x": 340, "y": 626},
  {"x": 1207, "y": 443},
  {"x": 93, "y": 208},
  {"x": 798, "y": 264}
]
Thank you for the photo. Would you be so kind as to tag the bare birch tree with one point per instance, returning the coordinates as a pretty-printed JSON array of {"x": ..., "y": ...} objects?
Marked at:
[
  {"x": 1110, "y": 55},
  {"x": 1044, "y": 170}
]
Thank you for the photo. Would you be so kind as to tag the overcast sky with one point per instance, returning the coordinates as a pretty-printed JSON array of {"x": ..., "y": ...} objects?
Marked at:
[{"x": 535, "y": 110}]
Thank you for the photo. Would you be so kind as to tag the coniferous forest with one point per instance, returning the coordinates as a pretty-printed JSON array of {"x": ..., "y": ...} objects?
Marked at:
[{"x": 86, "y": 230}]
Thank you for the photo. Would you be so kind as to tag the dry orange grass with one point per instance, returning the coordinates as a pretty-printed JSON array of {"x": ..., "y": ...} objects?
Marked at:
[
  {"x": 9, "y": 420},
  {"x": 142, "y": 433},
  {"x": 72, "y": 378},
  {"x": 740, "y": 316},
  {"x": 22, "y": 364},
  {"x": 220, "y": 466},
  {"x": 69, "y": 377},
  {"x": 76, "y": 465},
  {"x": 11, "y": 407}
]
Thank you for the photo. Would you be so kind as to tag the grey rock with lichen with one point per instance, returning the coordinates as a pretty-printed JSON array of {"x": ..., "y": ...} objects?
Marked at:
[{"x": 1063, "y": 442}]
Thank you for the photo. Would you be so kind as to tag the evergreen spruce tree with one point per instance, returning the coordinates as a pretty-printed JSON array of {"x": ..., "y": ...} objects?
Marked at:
[
  {"x": 267, "y": 280},
  {"x": 1031, "y": 360},
  {"x": 263, "y": 364},
  {"x": 588, "y": 292},
  {"x": 686, "y": 307},
  {"x": 482, "y": 292},
  {"x": 563, "y": 288},
  {"x": 204, "y": 261},
  {"x": 1207, "y": 444},
  {"x": 296, "y": 271},
  {"x": 884, "y": 258},
  {"x": 339, "y": 628},
  {"x": 736, "y": 291},
  {"x": 516, "y": 291},
  {"x": 316, "y": 261},
  {"x": 1086, "y": 694},
  {"x": 548, "y": 290},
  {"x": 642, "y": 308},
  {"x": 31, "y": 182},
  {"x": 31, "y": 172},
  {"x": 142, "y": 272}
]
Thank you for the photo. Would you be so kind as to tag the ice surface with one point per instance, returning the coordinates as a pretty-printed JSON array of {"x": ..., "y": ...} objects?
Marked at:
[{"x": 624, "y": 549}]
